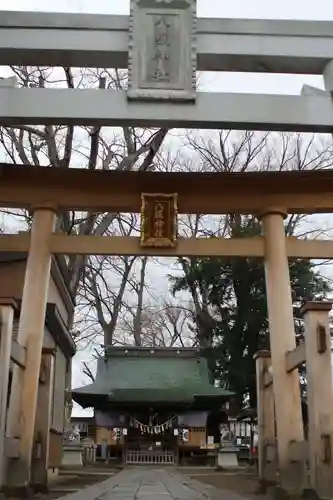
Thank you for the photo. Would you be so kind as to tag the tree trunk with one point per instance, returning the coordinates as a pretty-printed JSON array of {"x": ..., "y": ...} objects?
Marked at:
[{"x": 138, "y": 315}]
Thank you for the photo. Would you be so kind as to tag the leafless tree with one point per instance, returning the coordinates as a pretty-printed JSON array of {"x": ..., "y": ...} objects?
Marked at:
[
  {"x": 86, "y": 369},
  {"x": 112, "y": 296},
  {"x": 163, "y": 324},
  {"x": 230, "y": 151},
  {"x": 233, "y": 151},
  {"x": 171, "y": 327},
  {"x": 140, "y": 286},
  {"x": 94, "y": 148},
  {"x": 102, "y": 293}
]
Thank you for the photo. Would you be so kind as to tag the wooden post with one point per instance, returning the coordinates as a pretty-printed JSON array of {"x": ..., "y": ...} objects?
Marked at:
[
  {"x": 43, "y": 421},
  {"x": 23, "y": 401},
  {"x": 266, "y": 421},
  {"x": 7, "y": 307},
  {"x": 319, "y": 395},
  {"x": 286, "y": 386}
]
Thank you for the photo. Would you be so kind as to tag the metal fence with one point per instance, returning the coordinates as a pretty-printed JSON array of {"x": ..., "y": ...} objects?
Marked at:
[{"x": 150, "y": 457}]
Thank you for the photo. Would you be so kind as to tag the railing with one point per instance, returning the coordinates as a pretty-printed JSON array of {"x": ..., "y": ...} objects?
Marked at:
[{"x": 150, "y": 457}]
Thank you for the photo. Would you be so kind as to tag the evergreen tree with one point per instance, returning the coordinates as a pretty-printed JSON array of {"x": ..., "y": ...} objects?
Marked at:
[{"x": 233, "y": 324}]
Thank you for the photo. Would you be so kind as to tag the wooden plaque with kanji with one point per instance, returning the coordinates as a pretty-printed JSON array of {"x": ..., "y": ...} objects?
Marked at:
[{"x": 158, "y": 220}]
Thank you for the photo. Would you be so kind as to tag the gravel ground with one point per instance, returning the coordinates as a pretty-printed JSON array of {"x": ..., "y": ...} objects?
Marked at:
[
  {"x": 241, "y": 482},
  {"x": 70, "y": 483}
]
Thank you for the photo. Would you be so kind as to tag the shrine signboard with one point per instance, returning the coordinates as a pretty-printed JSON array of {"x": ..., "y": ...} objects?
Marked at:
[
  {"x": 158, "y": 220},
  {"x": 162, "y": 50}
]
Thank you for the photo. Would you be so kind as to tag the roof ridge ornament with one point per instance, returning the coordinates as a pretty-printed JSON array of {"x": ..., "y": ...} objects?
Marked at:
[{"x": 162, "y": 57}]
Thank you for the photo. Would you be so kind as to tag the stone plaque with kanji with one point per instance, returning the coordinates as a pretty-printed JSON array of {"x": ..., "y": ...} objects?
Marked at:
[
  {"x": 162, "y": 50},
  {"x": 158, "y": 220}
]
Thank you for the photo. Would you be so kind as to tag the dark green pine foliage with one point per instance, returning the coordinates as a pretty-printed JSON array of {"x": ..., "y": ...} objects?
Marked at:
[{"x": 230, "y": 310}]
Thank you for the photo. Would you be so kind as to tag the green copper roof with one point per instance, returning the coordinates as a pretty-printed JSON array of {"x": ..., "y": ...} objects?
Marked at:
[{"x": 150, "y": 378}]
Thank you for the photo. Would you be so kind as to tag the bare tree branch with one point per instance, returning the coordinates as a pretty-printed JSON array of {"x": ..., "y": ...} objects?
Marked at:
[{"x": 100, "y": 301}]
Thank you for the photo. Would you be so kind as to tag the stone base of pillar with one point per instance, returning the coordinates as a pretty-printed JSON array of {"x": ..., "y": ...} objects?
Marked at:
[
  {"x": 24, "y": 491},
  {"x": 227, "y": 459},
  {"x": 41, "y": 488},
  {"x": 277, "y": 493},
  {"x": 72, "y": 456},
  {"x": 310, "y": 495},
  {"x": 18, "y": 483},
  {"x": 265, "y": 486}
]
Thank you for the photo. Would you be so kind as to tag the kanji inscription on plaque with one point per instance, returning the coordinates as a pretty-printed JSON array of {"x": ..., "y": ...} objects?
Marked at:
[
  {"x": 158, "y": 220},
  {"x": 162, "y": 50}
]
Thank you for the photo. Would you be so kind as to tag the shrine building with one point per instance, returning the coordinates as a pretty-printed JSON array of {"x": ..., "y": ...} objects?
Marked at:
[{"x": 154, "y": 405}]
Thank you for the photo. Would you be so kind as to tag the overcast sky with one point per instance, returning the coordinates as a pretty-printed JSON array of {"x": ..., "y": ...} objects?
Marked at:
[
  {"x": 261, "y": 9},
  {"x": 283, "y": 9}
]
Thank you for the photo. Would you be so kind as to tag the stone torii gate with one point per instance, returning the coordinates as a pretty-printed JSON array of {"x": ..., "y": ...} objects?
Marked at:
[{"x": 163, "y": 44}]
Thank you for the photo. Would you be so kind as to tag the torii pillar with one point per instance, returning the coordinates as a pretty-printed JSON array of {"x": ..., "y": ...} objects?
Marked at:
[
  {"x": 7, "y": 308},
  {"x": 286, "y": 386},
  {"x": 266, "y": 422},
  {"x": 23, "y": 400},
  {"x": 319, "y": 395}
]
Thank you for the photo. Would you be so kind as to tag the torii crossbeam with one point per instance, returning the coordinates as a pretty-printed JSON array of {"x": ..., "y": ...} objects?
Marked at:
[
  {"x": 90, "y": 40},
  {"x": 220, "y": 45}
]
